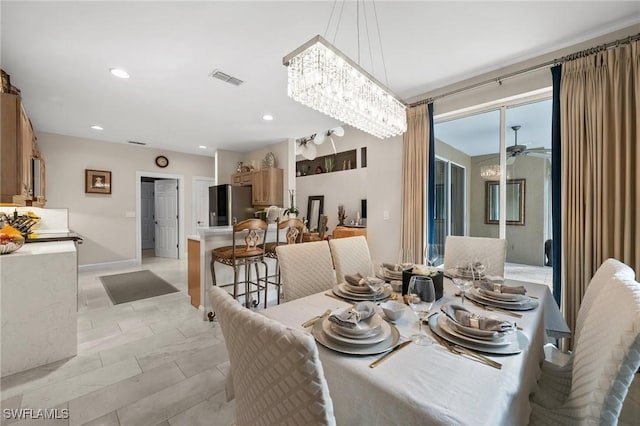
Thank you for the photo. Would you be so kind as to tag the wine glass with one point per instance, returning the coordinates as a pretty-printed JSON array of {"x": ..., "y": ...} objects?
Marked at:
[
  {"x": 421, "y": 297},
  {"x": 462, "y": 282},
  {"x": 375, "y": 285},
  {"x": 431, "y": 254},
  {"x": 405, "y": 258}
]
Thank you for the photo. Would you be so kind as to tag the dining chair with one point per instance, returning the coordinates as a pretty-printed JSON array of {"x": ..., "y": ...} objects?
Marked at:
[
  {"x": 293, "y": 229},
  {"x": 351, "y": 256},
  {"x": 606, "y": 357},
  {"x": 276, "y": 371},
  {"x": 305, "y": 269},
  {"x": 464, "y": 250}
]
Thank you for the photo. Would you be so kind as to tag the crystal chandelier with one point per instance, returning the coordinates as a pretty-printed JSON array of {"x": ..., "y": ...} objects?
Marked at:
[
  {"x": 491, "y": 172},
  {"x": 325, "y": 79}
]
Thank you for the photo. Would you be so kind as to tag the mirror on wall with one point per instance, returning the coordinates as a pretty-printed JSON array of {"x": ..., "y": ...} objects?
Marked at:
[
  {"x": 515, "y": 202},
  {"x": 315, "y": 208}
]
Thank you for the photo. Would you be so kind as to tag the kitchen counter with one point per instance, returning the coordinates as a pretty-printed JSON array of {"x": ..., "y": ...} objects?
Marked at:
[
  {"x": 39, "y": 237},
  {"x": 39, "y": 286}
]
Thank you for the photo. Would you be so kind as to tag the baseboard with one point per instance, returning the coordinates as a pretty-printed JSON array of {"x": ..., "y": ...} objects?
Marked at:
[{"x": 108, "y": 265}]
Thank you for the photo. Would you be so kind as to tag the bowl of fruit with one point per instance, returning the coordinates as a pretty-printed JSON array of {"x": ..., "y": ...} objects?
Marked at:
[{"x": 10, "y": 239}]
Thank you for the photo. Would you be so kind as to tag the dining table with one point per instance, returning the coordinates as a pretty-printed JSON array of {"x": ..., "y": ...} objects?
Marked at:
[{"x": 430, "y": 385}]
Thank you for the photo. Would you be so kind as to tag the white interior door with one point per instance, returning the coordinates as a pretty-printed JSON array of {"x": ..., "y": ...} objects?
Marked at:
[
  {"x": 147, "y": 207},
  {"x": 201, "y": 201},
  {"x": 166, "y": 210}
]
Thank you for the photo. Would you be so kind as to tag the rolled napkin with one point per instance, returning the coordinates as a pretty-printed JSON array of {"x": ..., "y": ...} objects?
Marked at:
[
  {"x": 491, "y": 285},
  {"x": 350, "y": 318},
  {"x": 462, "y": 316}
]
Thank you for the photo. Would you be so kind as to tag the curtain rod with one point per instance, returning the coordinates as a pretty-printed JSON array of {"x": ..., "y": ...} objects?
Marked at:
[{"x": 499, "y": 79}]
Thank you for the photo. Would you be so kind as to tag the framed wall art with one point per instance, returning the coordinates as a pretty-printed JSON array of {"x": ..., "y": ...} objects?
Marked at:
[{"x": 97, "y": 182}]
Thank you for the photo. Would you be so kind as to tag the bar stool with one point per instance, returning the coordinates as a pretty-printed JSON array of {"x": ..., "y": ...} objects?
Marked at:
[
  {"x": 251, "y": 253},
  {"x": 294, "y": 231}
]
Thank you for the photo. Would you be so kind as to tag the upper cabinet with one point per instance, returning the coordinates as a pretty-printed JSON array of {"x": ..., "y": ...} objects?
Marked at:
[
  {"x": 267, "y": 187},
  {"x": 22, "y": 174}
]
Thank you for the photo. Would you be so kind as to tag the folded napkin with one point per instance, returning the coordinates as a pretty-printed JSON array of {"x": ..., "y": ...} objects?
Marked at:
[
  {"x": 356, "y": 280},
  {"x": 477, "y": 269},
  {"x": 392, "y": 267},
  {"x": 462, "y": 316},
  {"x": 350, "y": 318},
  {"x": 491, "y": 285}
]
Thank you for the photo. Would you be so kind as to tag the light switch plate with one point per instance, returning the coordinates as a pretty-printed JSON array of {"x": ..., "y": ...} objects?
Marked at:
[{"x": 129, "y": 214}]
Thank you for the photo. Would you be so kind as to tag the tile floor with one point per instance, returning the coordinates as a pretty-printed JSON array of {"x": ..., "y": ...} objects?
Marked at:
[{"x": 153, "y": 361}]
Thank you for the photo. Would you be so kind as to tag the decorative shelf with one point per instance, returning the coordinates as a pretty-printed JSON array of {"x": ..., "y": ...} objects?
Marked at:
[{"x": 345, "y": 160}]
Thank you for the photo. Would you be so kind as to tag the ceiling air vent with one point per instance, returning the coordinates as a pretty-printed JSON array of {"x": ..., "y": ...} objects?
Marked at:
[
  {"x": 136, "y": 143},
  {"x": 225, "y": 77}
]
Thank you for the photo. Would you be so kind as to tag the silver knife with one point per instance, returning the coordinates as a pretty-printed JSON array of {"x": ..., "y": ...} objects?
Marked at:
[{"x": 388, "y": 354}]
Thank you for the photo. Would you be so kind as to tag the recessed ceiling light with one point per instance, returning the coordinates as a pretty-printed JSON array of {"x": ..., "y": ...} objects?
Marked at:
[
  {"x": 96, "y": 127},
  {"x": 202, "y": 147},
  {"x": 119, "y": 73},
  {"x": 267, "y": 117}
]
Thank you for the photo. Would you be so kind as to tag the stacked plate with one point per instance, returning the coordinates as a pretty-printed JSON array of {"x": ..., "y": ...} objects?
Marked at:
[
  {"x": 514, "y": 302},
  {"x": 488, "y": 341},
  {"x": 360, "y": 293},
  {"x": 369, "y": 337},
  {"x": 465, "y": 273},
  {"x": 390, "y": 274}
]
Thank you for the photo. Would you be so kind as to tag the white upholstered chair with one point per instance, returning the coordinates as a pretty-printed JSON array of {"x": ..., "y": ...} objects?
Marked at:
[
  {"x": 277, "y": 374},
  {"x": 350, "y": 256},
  {"x": 605, "y": 358},
  {"x": 305, "y": 269},
  {"x": 463, "y": 250}
]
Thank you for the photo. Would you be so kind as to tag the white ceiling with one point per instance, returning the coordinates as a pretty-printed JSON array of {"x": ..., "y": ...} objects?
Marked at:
[{"x": 59, "y": 54}]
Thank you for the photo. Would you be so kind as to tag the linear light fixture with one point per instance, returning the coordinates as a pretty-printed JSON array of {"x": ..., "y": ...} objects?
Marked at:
[{"x": 323, "y": 78}]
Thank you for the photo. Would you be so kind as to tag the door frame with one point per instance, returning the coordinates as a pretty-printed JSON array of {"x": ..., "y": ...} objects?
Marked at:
[
  {"x": 181, "y": 210},
  {"x": 194, "y": 195}
]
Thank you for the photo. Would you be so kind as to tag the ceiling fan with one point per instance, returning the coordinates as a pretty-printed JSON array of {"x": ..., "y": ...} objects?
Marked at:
[
  {"x": 514, "y": 151},
  {"x": 308, "y": 150}
]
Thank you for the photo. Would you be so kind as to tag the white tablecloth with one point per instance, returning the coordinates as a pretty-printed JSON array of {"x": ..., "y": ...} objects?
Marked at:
[{"x": 421, "y": 385}]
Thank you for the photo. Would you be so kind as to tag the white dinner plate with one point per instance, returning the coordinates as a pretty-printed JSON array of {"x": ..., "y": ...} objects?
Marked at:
[
  {"x": 445, "y": 324},
  {"x": 527, "y": 305},
  {"x": 349, "y": 349},
  {"x": 514, "y": 347},
  {"x": 475, "y": 333},
  {"x": 332, "y": 330},
  {"x": 362, "y": 297}
]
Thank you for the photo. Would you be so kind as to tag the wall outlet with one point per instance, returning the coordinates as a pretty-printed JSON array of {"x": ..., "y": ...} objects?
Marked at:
[{"x": 385, "y": 215}]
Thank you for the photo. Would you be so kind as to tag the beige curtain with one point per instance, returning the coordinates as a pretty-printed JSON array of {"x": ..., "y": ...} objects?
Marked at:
[
  {"x": 599, "y": 98},
  {"x": 414, "y": 180}
]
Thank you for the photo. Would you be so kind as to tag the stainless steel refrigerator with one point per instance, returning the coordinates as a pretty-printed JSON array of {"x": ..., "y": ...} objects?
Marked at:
[{"x": 228, "y": 203}]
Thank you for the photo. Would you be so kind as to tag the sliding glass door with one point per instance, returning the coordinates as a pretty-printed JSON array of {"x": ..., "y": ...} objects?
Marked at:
[{"x": 483, "y": 190}]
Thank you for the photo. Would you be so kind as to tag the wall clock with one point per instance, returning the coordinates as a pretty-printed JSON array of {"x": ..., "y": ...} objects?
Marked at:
[{"x": 162, "y": 161}]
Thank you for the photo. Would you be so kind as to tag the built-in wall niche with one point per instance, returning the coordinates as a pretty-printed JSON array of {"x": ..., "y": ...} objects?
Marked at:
[{"x": 345, "y": 160}]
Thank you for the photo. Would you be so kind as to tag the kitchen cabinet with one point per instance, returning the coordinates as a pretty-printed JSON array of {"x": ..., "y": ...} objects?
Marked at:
[
  {"x": 267, "y": 187},
  {"x": 242, "y": 179},
  {"x": 22, "y": 175}
]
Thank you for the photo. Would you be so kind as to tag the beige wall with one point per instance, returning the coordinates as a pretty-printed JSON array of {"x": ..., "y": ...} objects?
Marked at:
[
  {"x": 109, "y": 235},
  {"x": 379, "y": 183}
]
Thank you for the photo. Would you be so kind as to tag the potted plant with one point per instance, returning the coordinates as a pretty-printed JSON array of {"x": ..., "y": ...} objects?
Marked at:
[{"x": 292, "y": 211}]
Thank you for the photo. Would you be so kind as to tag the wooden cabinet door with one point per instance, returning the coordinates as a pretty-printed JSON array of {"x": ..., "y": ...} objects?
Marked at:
[{"x": 25, "y": 145}]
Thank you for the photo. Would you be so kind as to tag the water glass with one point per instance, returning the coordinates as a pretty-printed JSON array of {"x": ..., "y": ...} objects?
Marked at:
[{"x": 421, "y": 296}]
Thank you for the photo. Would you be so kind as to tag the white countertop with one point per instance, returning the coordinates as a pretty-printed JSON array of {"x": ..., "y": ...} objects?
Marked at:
[{"x": 51, "y": 247}]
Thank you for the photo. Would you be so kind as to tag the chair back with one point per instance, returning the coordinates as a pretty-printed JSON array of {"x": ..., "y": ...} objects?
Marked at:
[
  {"x": 609, "y": 269},
  {"x": 255, "y": 234},
  {"x": 350, "y": 256},
  {"x": 463, "y": 250},
  {"x": 607, "y": 354},
  {"x": 305, "y": 269},
  {"x": 277, "y": 375},
  {"x": 294, "y": 227}
]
